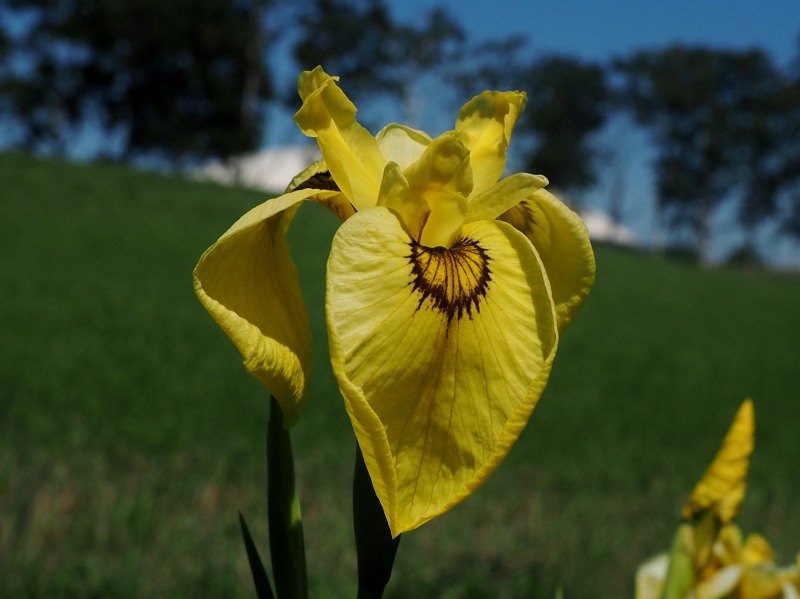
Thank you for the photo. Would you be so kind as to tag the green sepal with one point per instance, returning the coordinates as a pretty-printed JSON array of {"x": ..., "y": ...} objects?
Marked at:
[
  {"x": 681, "y": 573},
  {"x": 260, "y": 578}
]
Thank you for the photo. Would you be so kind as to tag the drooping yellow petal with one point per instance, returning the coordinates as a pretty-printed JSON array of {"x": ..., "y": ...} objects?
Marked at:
[
  {"x": 402, "y": 144},
  {"x": 442, "y": 176},
  {"x": 561, "y": 238},
  {"x": 248, "y": 284},
  {"x": 441, "y": 355},
  {"x": 351, "y": 153},
  {"x": 485, "y": 124},
  {"x": 722, "y": 487}
]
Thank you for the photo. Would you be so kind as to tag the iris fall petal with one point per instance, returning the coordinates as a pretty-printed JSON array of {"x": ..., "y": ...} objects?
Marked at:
[
  {"x": 441, "y": 355},
  {"x": 248, "y": 283}
]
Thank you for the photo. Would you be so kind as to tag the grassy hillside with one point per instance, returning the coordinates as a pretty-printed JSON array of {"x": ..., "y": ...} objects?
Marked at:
[{"x": 130, "y": 434}]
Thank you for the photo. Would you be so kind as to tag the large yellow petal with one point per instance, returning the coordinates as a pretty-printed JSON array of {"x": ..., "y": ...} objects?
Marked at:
[
  {"x": 351, "y": 153},
  {"x": 561, "y": 238},
  {"x": 248, "y": 284},
  {"x": 722, "y": 487},
  {"x": 441, "y": 355},
  {"x": 485, "y": 124}
]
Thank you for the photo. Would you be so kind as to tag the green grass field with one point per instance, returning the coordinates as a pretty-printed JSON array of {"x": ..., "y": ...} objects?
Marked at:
[{"x": 130, "y": 434}]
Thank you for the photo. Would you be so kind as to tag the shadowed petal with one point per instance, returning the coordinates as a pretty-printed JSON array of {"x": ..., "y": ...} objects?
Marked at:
[
  {"x": 396, "y": 195},
  {"x": 441, "y": 355},
  {"x": 402, "y": 144},
  {"x": 248, "y": 283},
  {"x": 561, "y": 238}
]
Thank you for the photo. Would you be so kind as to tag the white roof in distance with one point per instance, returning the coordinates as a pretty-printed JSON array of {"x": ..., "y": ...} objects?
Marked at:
[
  {"x": 271, "y": 169},
  {"x": 603, "y": 228}
]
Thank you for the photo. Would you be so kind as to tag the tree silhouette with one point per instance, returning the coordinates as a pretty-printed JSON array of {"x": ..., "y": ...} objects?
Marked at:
[
  {"x": 702, "y": 108},
  {"x": 568, "y": 102},
  {"x": 183, "y": 79}
]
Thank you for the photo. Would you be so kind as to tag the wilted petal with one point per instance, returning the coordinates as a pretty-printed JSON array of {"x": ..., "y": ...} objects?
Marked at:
[
  {"x": 351, "y": 153},
  {"x": 561, "y": 238},
  {"x": 485, "y": 124},
  {"x": 248, "y": 283},
  {"x": 440, "y": 354},
  {"x": 723, "y": 485}
]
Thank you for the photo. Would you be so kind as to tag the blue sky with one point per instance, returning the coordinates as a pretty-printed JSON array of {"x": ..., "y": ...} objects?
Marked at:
[
  {"x": 595, "y": 29},
  {"x": 601, "y": 30}
]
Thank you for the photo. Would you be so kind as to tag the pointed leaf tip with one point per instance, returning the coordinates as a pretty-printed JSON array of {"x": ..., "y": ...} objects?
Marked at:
[{"x": 260, "y": 578}]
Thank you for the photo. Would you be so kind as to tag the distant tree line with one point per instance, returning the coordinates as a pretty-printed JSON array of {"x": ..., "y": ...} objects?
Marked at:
[{"x": 187, "y": 80}]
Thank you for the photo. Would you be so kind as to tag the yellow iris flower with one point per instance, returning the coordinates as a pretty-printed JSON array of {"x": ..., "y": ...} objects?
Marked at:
[
  {"x": 709, "y": 559},
  {"x": 447, "y": 289}
]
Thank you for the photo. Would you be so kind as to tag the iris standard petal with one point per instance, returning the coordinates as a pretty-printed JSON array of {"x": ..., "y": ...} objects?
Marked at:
[
  {"x": 402, "y": 144},
  {"x": 248, "y": 283},
  {"x": 396, "y": 195},
  {"x": 441, "y": 355},
  {"x": 351, "y": 153},
  {"x": 485, "y": 124},
  {"x": 723, "y": 485},
  {"x": 561, "y": 238},
  {"x": 443, "y": 177}
]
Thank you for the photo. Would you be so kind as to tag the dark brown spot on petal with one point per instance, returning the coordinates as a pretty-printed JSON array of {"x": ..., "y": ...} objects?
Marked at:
[
  {"x": 338, "y": 204},
  {"x": 321, "y": 180},
  {"x": 453, "y": 280}
]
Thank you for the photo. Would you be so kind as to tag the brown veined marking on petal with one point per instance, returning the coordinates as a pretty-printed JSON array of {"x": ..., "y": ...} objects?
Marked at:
[
  {"x": 337, "y": 204},
  {"x": 453, "y": 279}
]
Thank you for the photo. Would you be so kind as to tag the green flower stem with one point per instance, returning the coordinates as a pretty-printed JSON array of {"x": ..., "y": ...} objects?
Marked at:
[
  {"x": 375, "y": 547},
  {"x": 285, "y": 524}
]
